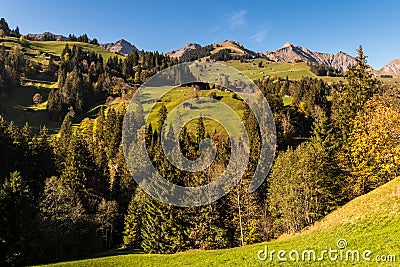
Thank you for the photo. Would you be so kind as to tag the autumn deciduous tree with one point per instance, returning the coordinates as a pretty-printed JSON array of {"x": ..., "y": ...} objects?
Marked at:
[{"x": 373, "y": 151}]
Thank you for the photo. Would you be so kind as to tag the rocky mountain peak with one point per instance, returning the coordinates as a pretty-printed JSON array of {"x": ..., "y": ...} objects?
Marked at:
[
  {"x": 178, "y": 53},
  {"x": 287, "y": 44},
  {"x": 121, "y": 46}
]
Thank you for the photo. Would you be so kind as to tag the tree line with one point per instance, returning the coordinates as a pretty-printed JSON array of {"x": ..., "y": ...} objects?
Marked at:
[{"x": 323, "y": 70}]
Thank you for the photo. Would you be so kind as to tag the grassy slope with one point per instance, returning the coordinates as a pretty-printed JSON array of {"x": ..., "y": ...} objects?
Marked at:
[
  {"x": 294, "y": 71},
  {"x": 179, "y": 95},
  {"x": 368, "y": 222},
  {"x": 15, "y": 106},
  {"x": 53, "y": 47}
]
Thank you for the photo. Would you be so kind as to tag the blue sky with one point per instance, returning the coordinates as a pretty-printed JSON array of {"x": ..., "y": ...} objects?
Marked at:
[{"x": 325, "y": 26}]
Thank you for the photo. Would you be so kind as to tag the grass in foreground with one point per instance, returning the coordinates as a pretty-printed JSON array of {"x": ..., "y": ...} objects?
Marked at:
[{"x": 370, "y": 222}]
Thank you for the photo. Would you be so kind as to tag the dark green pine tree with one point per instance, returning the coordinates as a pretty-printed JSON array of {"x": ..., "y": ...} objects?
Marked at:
[
  {"x": 162, "y": 116},
  {"x": 44, "y": 163},
  {"x": 66, "y": 228},
  {"x": 81, "y": 173},
  {"x": 99, "y": 134},
  {"x": 18, "y": 223},
  {"x": 6, "y": 152},
  {"x": 323, "y": 132},
  {"x": 122, "y": 185},
  {"x": 163, "y": 225},
  {"x": 149, "y": 135},
  {"x": 61, "y": 143},
  {"x": 55, "y": 104},
  {"x": 163, "y": 228},
  {"x": 152, "y": 235},
  {"x": 351, "y": 98},
  {"x": 23, "y": 148},
  {"x": 112, "y": 132},
  {"x": 133, "y": 220},
  {"x": 251, "y": 124},
  {"x": 200, "y": 130},
  {"x": 208, "y": 224},
  {"x": 186, "y": 143}
]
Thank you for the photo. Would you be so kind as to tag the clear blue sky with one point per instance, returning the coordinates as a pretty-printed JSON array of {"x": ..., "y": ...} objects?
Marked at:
[{"x": 325, "y": 26}]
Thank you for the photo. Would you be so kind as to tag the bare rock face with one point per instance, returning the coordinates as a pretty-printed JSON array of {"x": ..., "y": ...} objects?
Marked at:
[
  {"x": 287, "y": 44},
  {"x": 391, "y": 69},
  {"x": 291, "y": 53},
  {"x": 122, "y": 47},
  {"x": 342, "y": 61},
  {"x": 178, "y": 53}
]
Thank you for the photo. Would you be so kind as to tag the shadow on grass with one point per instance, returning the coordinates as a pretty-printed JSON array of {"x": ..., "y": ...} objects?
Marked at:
[
  {"x": 117, "y": 252},
  {"x": 99, "y": 254}
]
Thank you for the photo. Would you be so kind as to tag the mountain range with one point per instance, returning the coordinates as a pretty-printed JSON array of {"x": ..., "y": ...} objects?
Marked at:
[
  {"x": 286, "y": 54},
  {"x": 290, "y": 53}
]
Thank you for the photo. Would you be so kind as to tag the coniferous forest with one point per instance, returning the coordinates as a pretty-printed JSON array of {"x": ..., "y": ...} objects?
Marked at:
[{"x": 69, "y": 193}]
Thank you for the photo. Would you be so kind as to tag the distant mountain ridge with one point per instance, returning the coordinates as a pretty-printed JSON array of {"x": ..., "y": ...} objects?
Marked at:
[
  {"x": 235, "y": 48},
  {"x": 288, "y": 53},
  {"x": 291, "y": 53},
  {"x": 45, "y": 36},
  {"x": 121, "y": 47},
  {"x": 391, "y": 69},
  {"x": 178, "y": 53}
]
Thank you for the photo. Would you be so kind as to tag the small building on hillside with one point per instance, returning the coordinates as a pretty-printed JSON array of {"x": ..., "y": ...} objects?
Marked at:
[{"x": 187, "y": 105}]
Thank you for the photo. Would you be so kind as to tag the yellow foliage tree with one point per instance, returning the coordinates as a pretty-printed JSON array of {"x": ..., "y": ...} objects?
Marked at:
[{"x": 373, "y": 151}]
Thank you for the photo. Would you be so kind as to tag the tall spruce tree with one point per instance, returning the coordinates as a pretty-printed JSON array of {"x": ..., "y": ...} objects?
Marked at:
[
  {"x": 18, "y": 223},
  {"x": 351, "y": 98}
]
